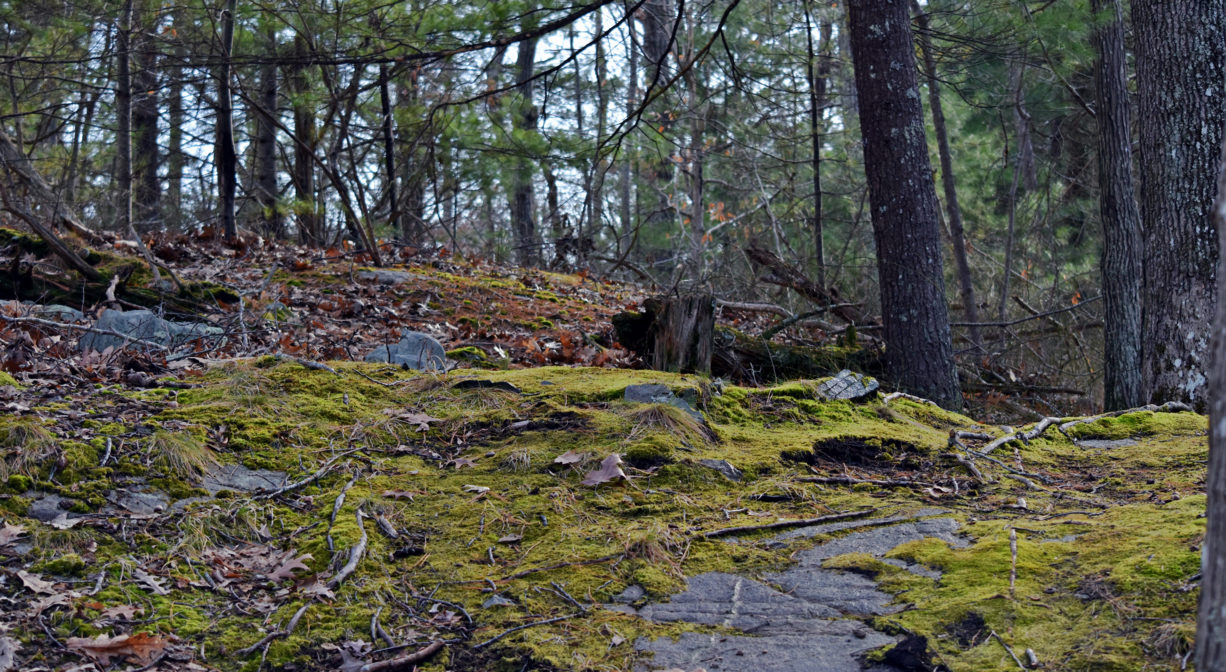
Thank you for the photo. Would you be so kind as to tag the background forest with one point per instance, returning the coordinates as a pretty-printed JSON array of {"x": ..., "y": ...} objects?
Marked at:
[{"x": 655, "y": 141}]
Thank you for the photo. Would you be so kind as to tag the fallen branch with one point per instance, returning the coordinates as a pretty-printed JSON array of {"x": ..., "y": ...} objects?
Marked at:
[
  {"x": 849, "y": 480},
  {"x": 355, "y": 556},
  {"x": 786, "y": 524},
  {"x": 77, "y": 327},
  {"x": 309, "y": 479},
  {"x": 275, "y": 634},
  {"x": 1011, "y": 654},
  {"x": 525, "y": 626},
  {"x": 403, "y": 662},
  {"x": 1063, "y": 424},
  {"x": 770, "y": 333},
  {"x": 336, "y": 509},
  {"x": 305, "y": 362}
]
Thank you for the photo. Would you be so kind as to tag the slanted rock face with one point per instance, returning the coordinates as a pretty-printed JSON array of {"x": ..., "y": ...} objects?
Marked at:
[
  {"x": 415, "y": 350},
  {"x": 145, "y": 326},
  {"x": 848, "y": 385}
]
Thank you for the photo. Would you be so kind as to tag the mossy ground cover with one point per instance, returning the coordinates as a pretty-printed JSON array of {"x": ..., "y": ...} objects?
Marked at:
[{"x": 472, "y": 527}]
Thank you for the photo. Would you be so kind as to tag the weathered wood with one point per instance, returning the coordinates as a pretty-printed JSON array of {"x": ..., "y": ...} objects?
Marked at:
[
  {"x": 682, "y": 334},
  {"x": 785, "y": 275}
]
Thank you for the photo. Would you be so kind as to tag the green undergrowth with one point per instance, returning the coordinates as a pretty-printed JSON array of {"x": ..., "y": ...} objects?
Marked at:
[{"x": 470, "y": 480}]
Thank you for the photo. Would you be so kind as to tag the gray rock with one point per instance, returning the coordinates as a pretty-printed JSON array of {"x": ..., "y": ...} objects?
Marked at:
[
  {"x": 724, "y": 467},
  {"x": 828, "y": 646},
  {"x": 388, "y": 277},
  {"x": 496, "y": 601},
  {"x": 141, "y": 502},
  {"x": 238, "y": 478},
  {"x": 59, "y": 313},
  {"x": 144, "y": 325},
  {"x": 632, "y": 593},
  {"x": 415, "y": 350},
  {"x": 655, "y": 393},
  {"x": 848, "y": 385},
  {"x": 48, "y": 507},
  {"x": 1106, "y": 444}
]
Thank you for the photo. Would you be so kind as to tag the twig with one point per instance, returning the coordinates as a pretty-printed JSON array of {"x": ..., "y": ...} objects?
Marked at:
[
  {"x": 128, "y": 338},
  {"x": 309, "y": 479},
  {"x": 785, "y": 524},
  {"x": 849, "y": 480},
  {"x": 106, "y": 457},
  {"x": 560, "y": 565},
  {"x": 910, "y": 397},
  {"x": 336, "y": 509},
  {"x": 1011, "y": 654},
  {"x": 517, "y": 628},
  {"x": 355, "y": 556},
  {"x": 566, "y": 596},
  {"x": 377, "y": 631},
  {"x": 403, "y": 662},
  {"x": 275, "y": 634},
  {"x": 306, "y": 362},
  {"x": 1012, "y": 563},
  {"x": 793, "y": 319}
]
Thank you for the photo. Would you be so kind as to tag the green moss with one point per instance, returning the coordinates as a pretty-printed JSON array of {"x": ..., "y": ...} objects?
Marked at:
[
  {"x": 6, "y": 379},
  {"x": 69, "y": 564},
  {"x": 468, "y": 353}
]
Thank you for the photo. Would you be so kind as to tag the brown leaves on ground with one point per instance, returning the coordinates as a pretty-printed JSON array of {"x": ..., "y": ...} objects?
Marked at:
[
  {"x": 9, "y": 534},
  {"x": 251, "y": 563},
  {"x": 142, "y": 647},
  {"x": 608, "y": 471}
]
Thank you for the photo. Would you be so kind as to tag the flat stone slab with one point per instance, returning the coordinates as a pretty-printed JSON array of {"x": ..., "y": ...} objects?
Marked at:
[
  {"x": 793, "y": 620},
  {"x": 655, "y": 393},
  {"x": 415, "y": 350},
  {"x": 238, "y": 478},
  {"x": 847, "y": 384}
]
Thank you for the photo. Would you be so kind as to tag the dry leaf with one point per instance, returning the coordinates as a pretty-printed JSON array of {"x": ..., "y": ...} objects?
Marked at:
[
  {"x": 398, "y": 494},
  {"x": 420, "y": 419},
  {"x": 35, "y": 582},
  {"x": 124, "y": 611},
  {"x": 569, "y": 457},
  {"x": 609, "y": 470},
  {"x": 39, "y": 606},
  {"x": 10, "y": 533},
  {"x": 63, "y": 522},
  {"x": 141, "y": 646},
  {"x": 8, "y": 653},
  {"x": 151, "y": 582},
  {"x": 511, "y": 539},
  {"x": 479, "y": 489},
  {"x": 288, "y": 566},
  {"x": 461, "y": 462}
]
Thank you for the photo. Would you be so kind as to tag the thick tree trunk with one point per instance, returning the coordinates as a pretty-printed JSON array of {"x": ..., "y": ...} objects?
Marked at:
[
  {"x": 1117, "y": 208},
  {"x": 957, "y": 233},
  {"x": 306, "y": 137},
  {"x": 1181, "y": 89},
  {"x": 919, "y": 350},
  {"x": 266, "y": 191},
  {"x": 147, "y": 187},
  {"x": 523, "y": 198},
  {"x": 1211, "y": 620},
  {"x": 123, "y": 112},
  {"x": 389, "y": 149},
  {"x": 224, "y": 153}
]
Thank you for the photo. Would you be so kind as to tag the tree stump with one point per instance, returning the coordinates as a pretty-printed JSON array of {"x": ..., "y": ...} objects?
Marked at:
[{"x": 672, "y": 333}]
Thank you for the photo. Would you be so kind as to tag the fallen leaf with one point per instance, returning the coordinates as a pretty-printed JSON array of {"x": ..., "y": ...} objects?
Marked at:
[
  {"x": 10, "y": 533},
  {"x": 287, "y": 567},
  {"x": 141, "y": 646},
  {"x": 511, "y": 539},
  {"x": 420, "y": 419},
  {"x": 479, "y": 489},
  {"x": 151, "y": 582},
  {"x": 124, "y": 611},
  {"x": 398, "y": 494},
  {"x": 609, "y": 470},
  {"x": 8, "y": 653},
  {"x": 569, "y": 457},
  {"x": 461, "y": 462},
  {"x": 35, "y": 582},
  {"x": 63, "y": 522}
]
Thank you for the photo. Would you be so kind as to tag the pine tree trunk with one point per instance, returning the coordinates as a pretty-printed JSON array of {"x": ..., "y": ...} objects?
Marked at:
[
  {"x": 175, "y": 118},
  {"x": 266, "y": 191},
  {"x": 1211, "y": 620},
  {"x": 1181, "y": 75},
  {"x": 1117, "y": 207},
  {"x": 224, "y": 156},
  {"x": 123, "y": 110},
  {"x": 957, "y": 233},
  {"x": 523, "y": 198},
  {"x": 310, "y": 224},
  {"x": 389, "y": 149},
  {"x": 919, "y": 350},
  {"x": 147, "y": 187}
]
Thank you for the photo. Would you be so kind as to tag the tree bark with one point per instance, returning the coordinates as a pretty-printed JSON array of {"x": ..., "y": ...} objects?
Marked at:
[
  {"x": 176, "y": 115},
  {"x": 919, "y": 350},
  {"x": 147, "y": 194},
  {"x": 817, "y": 72},
  {"x": 224, "y": 152},
  {"x": 306, "y": 137},
  {"x": 957, "y": 235},
  {"x": 389, "y": 149},
  {"x": 1211, "y": 617},
  {"x": 1181, "y": 70},
  {"x": 523, "y": 198},
  {"x": 1117, "y": 208},
  {"x": 266, "y": 191},
  {"x": 123, "y": 111}
]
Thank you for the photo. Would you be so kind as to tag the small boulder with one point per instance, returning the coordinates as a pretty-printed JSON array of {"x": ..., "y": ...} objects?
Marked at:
[
  {"x": 848, "y": 385},
  {"x": 145, "y": 326},
  {"x": 724, "y": 467},
  {"x": 415, "y": 350},
  {"x": 655, "y": 393}
]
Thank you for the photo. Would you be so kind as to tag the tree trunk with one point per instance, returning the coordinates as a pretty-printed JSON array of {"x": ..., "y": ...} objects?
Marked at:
[
  {"x": 624, "y": 171},
  {"x": 1211, "y": 620},
  {"x": 266, "y": 191},
  {"x": 957, "y": 234},
  {"x": 123, "y": 110},
  {"x": 1121, "y": 261},
  {"x": 389, "y": 149},
  {"x": 919, "y": 350},
  {"x": 224, "y": 152},
  {"x": 523, "y": 198},
  {"x": 817, "y": 72},
  {"x": 176, "y": 116},
  {"x": 147, "y": 187},
  {"x": 1181, "y": 74},
  {"x": 306, "y": 137}
]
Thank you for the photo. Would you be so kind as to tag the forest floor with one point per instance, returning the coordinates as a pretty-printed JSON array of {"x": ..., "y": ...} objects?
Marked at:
[{"x": 273, "y": 504}]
